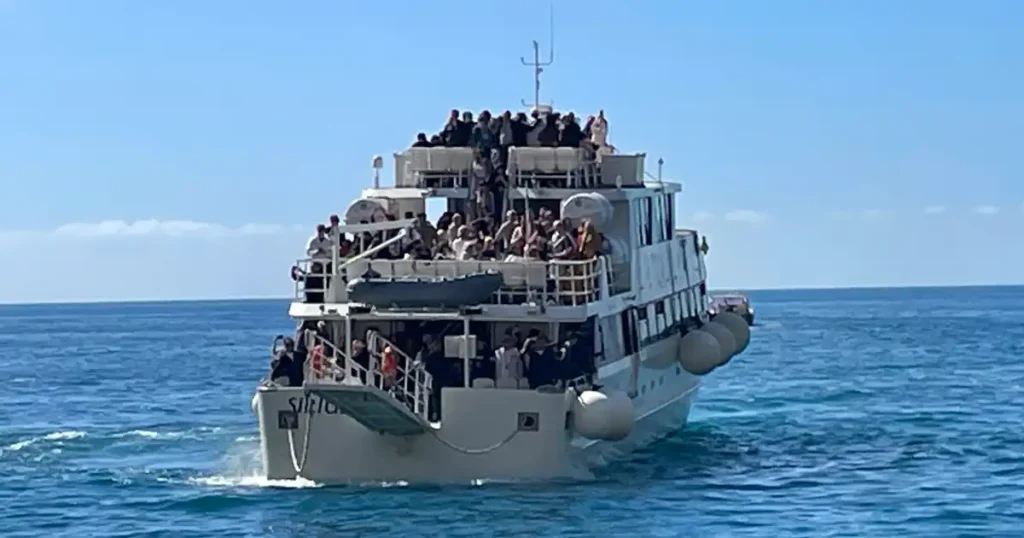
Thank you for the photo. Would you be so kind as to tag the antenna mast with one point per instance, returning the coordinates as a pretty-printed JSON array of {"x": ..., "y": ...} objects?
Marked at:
[{"x": 537, "y": 65}]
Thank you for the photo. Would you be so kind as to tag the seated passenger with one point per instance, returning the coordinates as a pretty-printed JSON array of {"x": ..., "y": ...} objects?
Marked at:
[
  {"x": 421, "y": 141},
  {"x": 488, "y": 251},
  {"x": 562, "y": 245},
  {"x": 504, "y": 234}
]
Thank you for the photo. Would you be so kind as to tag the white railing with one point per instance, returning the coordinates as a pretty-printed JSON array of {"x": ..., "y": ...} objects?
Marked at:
[
  {"x": 434, "y": 167},
  {"x": 570, "y": 168},
  {"x": 556, "y": 282},
  {"x": 311, "y": 280},
  {"x": 411, "y": 380},
  {"x": 410, "y": 385}
]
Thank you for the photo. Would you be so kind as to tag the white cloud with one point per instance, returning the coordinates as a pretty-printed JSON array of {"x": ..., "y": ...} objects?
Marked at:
[
  {"x": 935, "y": 209},
  {"x": 986, "y": 210},
  {"x": 746, "y": 215},
  {"x": 871, "y": 214},
  {"x": 147, "y": 228}
]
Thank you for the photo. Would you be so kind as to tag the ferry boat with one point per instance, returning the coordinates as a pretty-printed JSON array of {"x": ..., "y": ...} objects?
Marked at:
[
  {"x": 737, "y": 303},
  {"x": 633, "y": 335}
]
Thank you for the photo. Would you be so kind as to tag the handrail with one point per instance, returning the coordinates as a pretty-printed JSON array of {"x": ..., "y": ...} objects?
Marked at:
[
  {"x": 333, "y": 371},
  {"x": 339, "y": 369},
  {"x": 362, "y": 256},
  {"x": 409, "y": 371},
  {"x": 554, "y": 282}
]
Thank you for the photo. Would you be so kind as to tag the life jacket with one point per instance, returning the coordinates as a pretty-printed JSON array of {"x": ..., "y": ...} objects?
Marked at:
[
  {"x": 390, "y": 363},
  {"x": 316, "y": 356}
]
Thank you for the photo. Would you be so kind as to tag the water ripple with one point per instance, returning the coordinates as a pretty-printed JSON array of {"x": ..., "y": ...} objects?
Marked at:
[{"x": 854, "y": 413}]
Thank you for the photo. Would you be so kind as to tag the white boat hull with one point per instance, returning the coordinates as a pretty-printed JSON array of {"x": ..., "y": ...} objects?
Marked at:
[{"x": 478, "y": 438}]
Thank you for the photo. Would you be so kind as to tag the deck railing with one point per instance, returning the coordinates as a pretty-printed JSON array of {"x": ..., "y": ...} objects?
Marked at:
[
  {"x": 411, "y": 381},
  {"x": 410, "y": 385},
  {"x": 524, "y": 281}
]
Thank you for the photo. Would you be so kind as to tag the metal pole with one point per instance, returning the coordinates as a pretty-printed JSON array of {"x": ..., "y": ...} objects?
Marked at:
[
  {"x": 465, "y": 352},
  {"x": 329, "y": 294},
  {"x": 348, "y": 343}
]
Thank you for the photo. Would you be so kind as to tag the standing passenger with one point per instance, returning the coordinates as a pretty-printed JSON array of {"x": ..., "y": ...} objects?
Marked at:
[{"x": 508, "y": 364}]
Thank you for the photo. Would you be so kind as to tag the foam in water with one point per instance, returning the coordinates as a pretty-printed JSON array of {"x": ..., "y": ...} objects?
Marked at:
[{"x": 55, "y": 436}]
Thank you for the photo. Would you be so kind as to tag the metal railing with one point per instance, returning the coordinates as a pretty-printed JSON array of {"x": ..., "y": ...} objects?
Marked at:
[
  {"x": 410, "y": 383},
  {"x": 312, "y": 279},
  {"x": 553, "y": 283},
  {"x": 525, "y": 281}
]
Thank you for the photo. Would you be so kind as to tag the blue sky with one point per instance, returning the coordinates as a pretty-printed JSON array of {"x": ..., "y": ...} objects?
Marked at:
[{"x": 179, "y": 149}]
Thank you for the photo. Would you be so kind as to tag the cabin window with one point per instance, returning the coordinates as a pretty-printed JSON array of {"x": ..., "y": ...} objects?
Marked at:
[
  {"x": 628, "y": 332},
  {"x": 659, "y": 318},
  {"x": 641, "y": 312},
  {"x": 669, "y": 216},
  {"x": 643, "y": 331},
  {"x": 657, "y": 217},
  {"x": 648, "y": 221}
]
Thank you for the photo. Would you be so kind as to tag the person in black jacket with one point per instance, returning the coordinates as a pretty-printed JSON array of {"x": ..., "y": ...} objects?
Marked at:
[{"x": 571, "y": 135}]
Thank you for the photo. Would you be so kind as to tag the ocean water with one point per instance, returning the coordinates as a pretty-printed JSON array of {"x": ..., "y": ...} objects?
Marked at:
[{"x": 853, "y": 413}]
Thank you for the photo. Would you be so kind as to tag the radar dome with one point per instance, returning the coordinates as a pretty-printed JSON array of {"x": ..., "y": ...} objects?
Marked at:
[
  {"x": 587, "y": 205},
  {"x": 725, "y": 340},
  {"x": 699, "y": 352},
  {"x": 738, "y": 327},
  {"x": 604, "y": 417},
  {"x": 366, "y": 210}
]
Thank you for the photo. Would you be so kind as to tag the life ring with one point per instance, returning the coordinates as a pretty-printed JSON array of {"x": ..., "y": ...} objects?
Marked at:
[{"x": 316, "y": 356}]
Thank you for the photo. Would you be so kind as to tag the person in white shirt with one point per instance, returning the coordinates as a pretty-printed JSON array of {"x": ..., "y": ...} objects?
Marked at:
[
  {"x": 508, "y": 364},
  {"x": 319, "y": 246},
  {"x": 562, "y": 243},
  {"x": 461, "y": 245},
  {"x": 599, "y": 131},
  {"x": 453, "y": 228},
  {"x": 504, "y": 234}
]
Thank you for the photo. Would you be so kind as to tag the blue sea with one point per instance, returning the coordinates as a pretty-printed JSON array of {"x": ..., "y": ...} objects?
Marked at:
[{"x": 888, "y": 413}]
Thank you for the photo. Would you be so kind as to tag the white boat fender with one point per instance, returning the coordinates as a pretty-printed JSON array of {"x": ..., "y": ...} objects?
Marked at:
[
  {"x": 699, "y": 352},
  {"x": 254, "y": 403},
  {"x": 738, "y": 327},
  {"x": 603, "y": 416},
  {"x": 725, "y": 340}
]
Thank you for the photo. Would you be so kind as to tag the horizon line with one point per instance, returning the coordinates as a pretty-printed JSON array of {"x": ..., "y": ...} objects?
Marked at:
[{"x": 710, "y": 292}]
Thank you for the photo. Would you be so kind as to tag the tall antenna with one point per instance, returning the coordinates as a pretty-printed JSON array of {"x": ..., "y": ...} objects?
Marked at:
[{"x": 537, "y": 65}]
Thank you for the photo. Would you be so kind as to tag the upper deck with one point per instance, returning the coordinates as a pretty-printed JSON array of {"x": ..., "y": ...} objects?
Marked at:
[{"x": 571, "y": 225}]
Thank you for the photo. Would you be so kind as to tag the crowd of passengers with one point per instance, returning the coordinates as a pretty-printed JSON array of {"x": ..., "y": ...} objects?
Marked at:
[
  {"x": 531, "y": 361},
  {"x": 540, "y": 236},
  {"x": 492, "y": 136}
]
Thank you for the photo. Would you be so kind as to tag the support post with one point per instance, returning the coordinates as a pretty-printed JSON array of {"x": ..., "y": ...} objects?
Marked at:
[
  {"x": 465, "y": 352},
  {"x": 348, "y": 343}
]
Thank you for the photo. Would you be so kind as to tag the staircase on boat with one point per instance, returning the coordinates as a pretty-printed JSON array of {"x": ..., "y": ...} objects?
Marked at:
[{"x": 398, "y": 408}]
